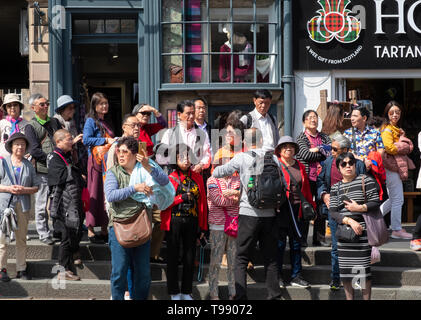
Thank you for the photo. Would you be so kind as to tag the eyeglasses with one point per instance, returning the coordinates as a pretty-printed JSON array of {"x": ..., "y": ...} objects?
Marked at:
[
  {"x": 335, "y": 149},
  {"x": 43, "y": 104},
  {"x": 133, "y": 125},
  {"x": 183, "y": 158},
  {"x": 345, "y": 163},
  {"x": 145, "y": 113}
]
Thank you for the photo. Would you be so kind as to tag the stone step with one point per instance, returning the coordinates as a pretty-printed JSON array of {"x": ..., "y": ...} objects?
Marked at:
[
  {"x": 101, "y": 270},
  {"x": 90, "y": 289},
  {"x": 391, "y": 257}
]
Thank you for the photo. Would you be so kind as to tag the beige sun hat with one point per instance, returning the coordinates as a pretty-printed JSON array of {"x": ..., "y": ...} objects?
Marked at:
[{"x": 9, "y": 98}]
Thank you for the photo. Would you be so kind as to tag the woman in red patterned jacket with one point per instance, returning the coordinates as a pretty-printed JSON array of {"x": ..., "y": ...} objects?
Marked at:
[
  {"x": 182, "y": 221},
  {"x": 290, "y": 221},
  {"x": 223, "y": 199}
]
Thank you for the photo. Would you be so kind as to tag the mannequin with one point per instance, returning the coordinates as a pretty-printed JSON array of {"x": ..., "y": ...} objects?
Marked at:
[{"x": 243, "y": 64}]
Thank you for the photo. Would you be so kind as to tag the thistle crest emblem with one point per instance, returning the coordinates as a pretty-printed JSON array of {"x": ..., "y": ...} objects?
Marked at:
[{"x": 334, "y": 22}]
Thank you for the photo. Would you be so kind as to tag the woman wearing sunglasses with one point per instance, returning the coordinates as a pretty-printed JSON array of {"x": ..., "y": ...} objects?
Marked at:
[
  {"x": 143, "y": 113},
  {"x": 347, "y": 203},
  {"x": 330, "y": 175}
]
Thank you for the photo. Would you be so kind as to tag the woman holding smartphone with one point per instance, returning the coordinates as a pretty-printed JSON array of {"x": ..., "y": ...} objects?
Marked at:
[{"x": 348, "y": 201}]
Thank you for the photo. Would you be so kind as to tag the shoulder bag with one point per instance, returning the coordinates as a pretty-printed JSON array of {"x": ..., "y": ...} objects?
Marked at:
[
  {"x": 134, "y": 231},
  {"x": 231, "y": 223},
  {"x": 376, "y": 227}
]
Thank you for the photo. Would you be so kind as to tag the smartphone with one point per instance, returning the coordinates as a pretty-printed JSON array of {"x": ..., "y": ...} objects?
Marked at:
[
  {"x": 345, "y": 198},
  {"x": 142, "y": 146}
]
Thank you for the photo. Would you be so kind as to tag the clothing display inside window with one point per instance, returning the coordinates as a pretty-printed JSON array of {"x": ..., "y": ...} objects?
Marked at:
[{"x": 243, "y": 63}]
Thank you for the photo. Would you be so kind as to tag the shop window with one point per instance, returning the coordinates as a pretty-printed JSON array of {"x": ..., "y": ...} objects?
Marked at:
[
  {"x": 219, "y": 41},
  {"x": 104, "y": 26}
]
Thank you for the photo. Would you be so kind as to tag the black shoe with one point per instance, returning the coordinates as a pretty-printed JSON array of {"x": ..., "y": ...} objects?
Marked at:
[
  {"x": 48, "y": 241},
  {"x": 96, "y": 239},
  {"x": 299, "y": 282},
  {"x": 281, "y": 283},
  {"x": 57, "y": 235},
  {"x": 4, "y": 276},
  {"x": 335, "y": 285},
  {"x": 320, "y": 244},
  {"x": 104, "y": 237},
  {"x": 158, "y": 260},
  {"x": 24, "y": 275}
]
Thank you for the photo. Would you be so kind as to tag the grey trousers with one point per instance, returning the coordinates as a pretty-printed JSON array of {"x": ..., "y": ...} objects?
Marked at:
[{"x": 41, "y": 215}]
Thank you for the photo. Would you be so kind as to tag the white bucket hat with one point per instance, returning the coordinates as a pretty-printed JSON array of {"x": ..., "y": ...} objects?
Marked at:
[{"x": 9, "y": 98}]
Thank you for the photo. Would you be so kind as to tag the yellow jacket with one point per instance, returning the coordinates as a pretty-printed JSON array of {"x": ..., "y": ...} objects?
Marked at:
[{"x": 390, "y": 135}]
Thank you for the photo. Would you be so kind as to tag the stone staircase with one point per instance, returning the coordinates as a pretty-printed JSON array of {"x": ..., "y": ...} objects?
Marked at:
[{"x": 396, "y": 277}]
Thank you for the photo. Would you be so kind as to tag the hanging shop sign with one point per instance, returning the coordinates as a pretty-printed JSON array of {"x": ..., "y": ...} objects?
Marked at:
[{"x": 357, "y": 34}]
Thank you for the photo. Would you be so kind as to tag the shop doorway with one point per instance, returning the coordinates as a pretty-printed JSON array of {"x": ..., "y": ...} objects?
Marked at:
[{"x": 111, "y": 69}]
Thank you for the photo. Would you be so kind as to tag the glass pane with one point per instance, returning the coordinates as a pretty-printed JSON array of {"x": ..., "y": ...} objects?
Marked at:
[
  {"x": 265, "y": 41},
  {"x": 196, "y": 35},
  {"x": 219, "y": 10},
  {"x": 219, "y": 34},
  {"x": 242, "y": 10},
  {"x": 194, "y": 72},
  {"x": 265, "y": 68},
  {"x": 195, "y": 10},
  {"x": 81, "y": 26},
  {"x": 173, "y": 69},
  {"x": 243, "y": 37},
  {"x": 128, "y": 26},
  {"x": 96, "y": 26},
  {"x": 112, "y": 26},
  {"x": 172, "y": 40},
  {"x": 172, "y": 10},
  {"x": 266, "y": 11}
]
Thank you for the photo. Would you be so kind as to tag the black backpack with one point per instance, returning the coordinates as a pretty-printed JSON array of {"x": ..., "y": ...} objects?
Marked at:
[{"x": 268, "y": 190}]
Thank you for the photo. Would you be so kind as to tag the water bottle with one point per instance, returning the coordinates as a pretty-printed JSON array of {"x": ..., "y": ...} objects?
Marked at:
[{"x": 251, "y": 183}]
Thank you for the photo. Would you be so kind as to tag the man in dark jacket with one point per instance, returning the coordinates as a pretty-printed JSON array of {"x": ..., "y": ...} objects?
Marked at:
[
  {"x": 40, "y": 133},
  {"x": 65, "y": 183},
  {"x": 325, "y": 180}
]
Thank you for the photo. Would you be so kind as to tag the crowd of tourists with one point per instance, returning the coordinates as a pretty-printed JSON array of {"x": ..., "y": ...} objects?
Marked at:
[{"x": 237, "y": 189}]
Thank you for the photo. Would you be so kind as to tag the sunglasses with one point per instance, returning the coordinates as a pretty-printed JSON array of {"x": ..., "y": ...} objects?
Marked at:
[
  {"x": 345, "y": 163},
  {"x": 144, "y": 113},
  {"x": 44, "y": 104},
  {"x": 335, "y": 149}
]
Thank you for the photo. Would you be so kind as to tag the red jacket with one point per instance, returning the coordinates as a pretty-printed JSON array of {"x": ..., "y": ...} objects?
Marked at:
[
  {"x": 202, "y": 206},
  {"x": 305, "y": 185}
]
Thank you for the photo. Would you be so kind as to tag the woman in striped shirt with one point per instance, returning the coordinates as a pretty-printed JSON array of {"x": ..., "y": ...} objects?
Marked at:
[
  {"x": 223, "y": 199},
  {"x": 347, "y": 203}
]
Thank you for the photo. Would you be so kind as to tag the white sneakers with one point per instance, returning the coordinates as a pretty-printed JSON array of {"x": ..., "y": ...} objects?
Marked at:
[{"x": 181, "y": 297}]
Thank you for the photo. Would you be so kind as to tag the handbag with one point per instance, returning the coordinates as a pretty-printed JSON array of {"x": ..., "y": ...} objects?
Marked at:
[
  {"x": 306, "y": 208},
  {"x": 134, "y": 231},
  {"x": 346, "y": 234},
  {"x": 231, "y": 223},
  {"x": 377, "y": 233},
  {"x": 99, "y": 152}
]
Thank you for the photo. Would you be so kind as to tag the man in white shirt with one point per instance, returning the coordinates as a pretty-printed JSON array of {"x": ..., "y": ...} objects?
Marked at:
[
  {"x": 261, "y": 119},
  {"x": 186, "y": 132}
]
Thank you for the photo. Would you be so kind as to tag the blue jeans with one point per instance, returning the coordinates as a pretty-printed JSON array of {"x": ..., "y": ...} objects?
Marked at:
[
  {"x": 121, "y": 259},
  {"x": 295, "y": 253},
  {"x": 334, "y": 254}
]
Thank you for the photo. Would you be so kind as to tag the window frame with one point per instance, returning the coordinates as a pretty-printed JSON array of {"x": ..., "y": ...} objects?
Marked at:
[{"x": 166, "y": 86}]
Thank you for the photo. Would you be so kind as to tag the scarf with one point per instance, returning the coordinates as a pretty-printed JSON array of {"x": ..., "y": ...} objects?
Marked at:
[
  {"x": 42, "y": 122},
  {"x": 15, "y": 124},
  {"x": 68, "y": 125}
]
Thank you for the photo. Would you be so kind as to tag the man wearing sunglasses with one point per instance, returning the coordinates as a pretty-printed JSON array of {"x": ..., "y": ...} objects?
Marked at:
[
  {"x": 40, "y": 133},
  {"x": 143, "y": 114},
  {"x": 330, "y": 175}
]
